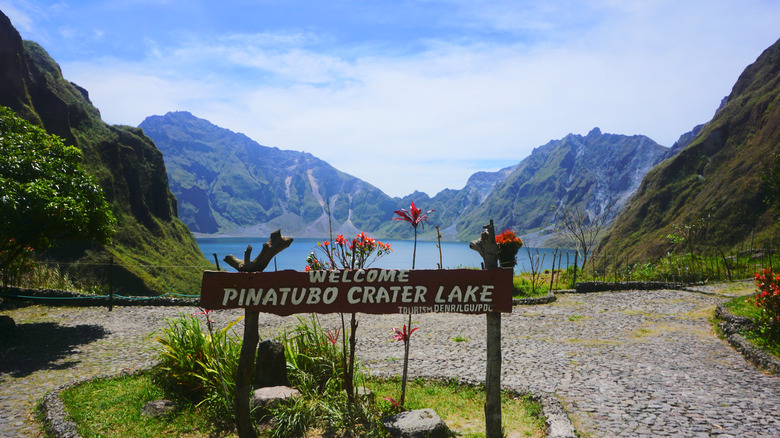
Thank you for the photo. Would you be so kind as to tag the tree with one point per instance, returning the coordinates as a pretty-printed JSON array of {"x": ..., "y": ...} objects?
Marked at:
[
  {"x": 581, "y": 227},
  {"x": 45, "y": 195}
]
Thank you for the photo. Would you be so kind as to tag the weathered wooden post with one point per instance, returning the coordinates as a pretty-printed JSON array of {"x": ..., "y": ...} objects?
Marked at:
[
  {"x": 487, "y": 248},
  {"x": 276, "y": 243}
]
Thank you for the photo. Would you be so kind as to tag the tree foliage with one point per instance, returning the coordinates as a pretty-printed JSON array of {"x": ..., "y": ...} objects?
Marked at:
[
  {"x": 581, "y": 227},
  {"x": 45, "y": 195}
]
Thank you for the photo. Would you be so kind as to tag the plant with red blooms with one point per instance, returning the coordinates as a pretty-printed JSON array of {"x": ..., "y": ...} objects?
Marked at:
[
  {"x": 345, "y": 254},
  {"x": 358, "y": 253},
  {"x": 414, "y": 216},
  {"x": 403, "y": 336},
  {"x": 768, "y": 297},
  {"x": 508, "y": 245},
  {"x": 333, "y": 335}
]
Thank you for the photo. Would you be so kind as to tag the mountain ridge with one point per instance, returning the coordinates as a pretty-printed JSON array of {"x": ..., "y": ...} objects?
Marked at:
[{"x": 210, "y": 168}]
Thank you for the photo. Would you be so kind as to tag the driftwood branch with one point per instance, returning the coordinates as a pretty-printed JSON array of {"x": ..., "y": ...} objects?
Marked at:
[
  {"x": 276, "y": 244},
  {"x": 486, "y": 246}
]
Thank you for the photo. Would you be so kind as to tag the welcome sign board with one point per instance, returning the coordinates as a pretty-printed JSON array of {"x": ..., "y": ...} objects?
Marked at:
[{"x": 376, "y": 291}]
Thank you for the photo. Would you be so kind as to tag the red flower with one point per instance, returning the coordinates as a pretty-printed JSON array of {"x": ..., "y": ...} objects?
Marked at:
[
  {"x": 412, "y": 216},
  {"x": 333, "y": 336},
  {"x": 402, "y": 335}
]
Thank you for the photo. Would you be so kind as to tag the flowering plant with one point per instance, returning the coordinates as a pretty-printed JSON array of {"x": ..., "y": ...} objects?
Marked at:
[
  {"x": 768, "y": 297},
  {"x": 342, "y": 253},
  {"x": 414, "y": 216},
  {"x": 508, "y": 245},
  {"x": 403, "y": 335}
]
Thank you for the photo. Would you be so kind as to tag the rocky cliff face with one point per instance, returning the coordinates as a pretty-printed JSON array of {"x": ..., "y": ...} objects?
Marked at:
[
  {"x": 591, "y": 172},
  {"x": 715, "y": 181},
  {"x": 227, "y": 183},
  {"x": 128, "y": 166}
]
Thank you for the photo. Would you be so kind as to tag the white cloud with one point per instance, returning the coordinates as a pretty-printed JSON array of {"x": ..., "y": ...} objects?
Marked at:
[
  {"x": 18, "y": 13},
  {"x": 630, "y": 68}
]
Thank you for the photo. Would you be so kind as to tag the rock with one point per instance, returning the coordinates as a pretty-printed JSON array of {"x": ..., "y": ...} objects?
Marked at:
[
  {"x": 364, "y": 393},
  {"x": 7, "y": 329},
  {"x": 267, "y": 397},
  {"x": 417, "y": 423},
  {"x": 157, "y": 408},
  {"x": 271, "y": 366}
]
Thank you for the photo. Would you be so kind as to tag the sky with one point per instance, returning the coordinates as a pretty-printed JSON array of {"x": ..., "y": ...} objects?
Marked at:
[{"x": 407, "y": 95}]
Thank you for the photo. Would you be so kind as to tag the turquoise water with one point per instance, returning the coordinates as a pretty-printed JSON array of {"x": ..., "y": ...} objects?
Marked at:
[{"x": 454, "y": 254}]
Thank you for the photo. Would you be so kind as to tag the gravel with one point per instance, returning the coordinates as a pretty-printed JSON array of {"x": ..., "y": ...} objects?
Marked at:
[{"x": 623, "y": 364}]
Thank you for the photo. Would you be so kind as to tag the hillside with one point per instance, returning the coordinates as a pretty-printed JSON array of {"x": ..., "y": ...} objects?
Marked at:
[
  {"x": 227, "y": 183},
  {"x": 127, "y": 165},
  {"x": 588, "y": 172},
  {"x": 715, "y": 182}
]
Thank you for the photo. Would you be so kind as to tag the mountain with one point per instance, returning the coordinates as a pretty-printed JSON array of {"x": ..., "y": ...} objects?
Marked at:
[
  {"x": 590, "y": 172},
  {"x": 714, "y": 184},
  {"x": 126, "y": 164},
  {"x": 227, "y": 183}
]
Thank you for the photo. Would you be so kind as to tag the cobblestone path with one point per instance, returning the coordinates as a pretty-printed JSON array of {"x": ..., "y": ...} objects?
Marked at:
[{"x": 625, "y": 364}]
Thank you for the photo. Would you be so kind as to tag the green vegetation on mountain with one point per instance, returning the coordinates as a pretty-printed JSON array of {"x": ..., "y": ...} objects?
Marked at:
[
  {"x": 227, "y": 183},
  {"x": 149, "y": 238},
  {"x": 713, "y": 190},
  {"x": 591, "y": 173}
]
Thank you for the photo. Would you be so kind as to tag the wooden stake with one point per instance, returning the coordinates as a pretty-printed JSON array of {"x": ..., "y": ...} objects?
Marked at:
[
  {"x": 487, "y": 248},
  {"x": 246, "y": 361}
]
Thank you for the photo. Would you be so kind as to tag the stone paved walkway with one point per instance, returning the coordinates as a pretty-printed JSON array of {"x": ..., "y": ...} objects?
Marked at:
[{"x": 625, "y": 364}]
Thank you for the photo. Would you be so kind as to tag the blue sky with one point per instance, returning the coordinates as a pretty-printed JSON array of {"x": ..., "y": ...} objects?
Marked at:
[{"x": 407, "y": 95}]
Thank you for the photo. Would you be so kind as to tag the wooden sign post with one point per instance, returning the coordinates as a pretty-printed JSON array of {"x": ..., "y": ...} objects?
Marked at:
[
  {"x": 487, "y": 248},
  {"x": 246, "y": 360},
  {"x": 375, "y": 291}
]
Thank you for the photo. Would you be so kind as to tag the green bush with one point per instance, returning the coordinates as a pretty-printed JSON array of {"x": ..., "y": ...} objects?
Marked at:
[{"x": 199, "y": 365}]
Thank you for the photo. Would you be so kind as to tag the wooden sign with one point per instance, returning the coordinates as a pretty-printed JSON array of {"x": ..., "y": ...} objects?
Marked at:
[{"x": 376, "y": 291}]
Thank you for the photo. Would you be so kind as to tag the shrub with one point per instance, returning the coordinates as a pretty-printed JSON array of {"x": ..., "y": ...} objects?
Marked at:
[
  {"x": 767, "y": 331},
  {"x": 768, "y": 297},
  {"x": 199, "y": 365}
]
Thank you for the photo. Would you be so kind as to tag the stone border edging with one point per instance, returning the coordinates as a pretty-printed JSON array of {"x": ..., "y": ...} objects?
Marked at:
[
  {"x": 547, "y": 299},
  {"x": 57, "y": 421},
  {"x": 730, "y": 326},
  {"x": 609, "y": 286},
  {"x": 68, "y": 298}
]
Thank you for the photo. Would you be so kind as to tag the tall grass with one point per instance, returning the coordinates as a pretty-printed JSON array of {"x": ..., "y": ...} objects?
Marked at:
[{"x": 199, "y": 364}]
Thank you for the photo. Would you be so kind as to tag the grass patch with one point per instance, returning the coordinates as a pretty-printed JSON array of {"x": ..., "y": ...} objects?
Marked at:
[
  {"x": 522, "y": 287},
  {"x": 462, "y": 407},
  {"x": 112, "y": 407},
  {"x": 763, "y": 337}
]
